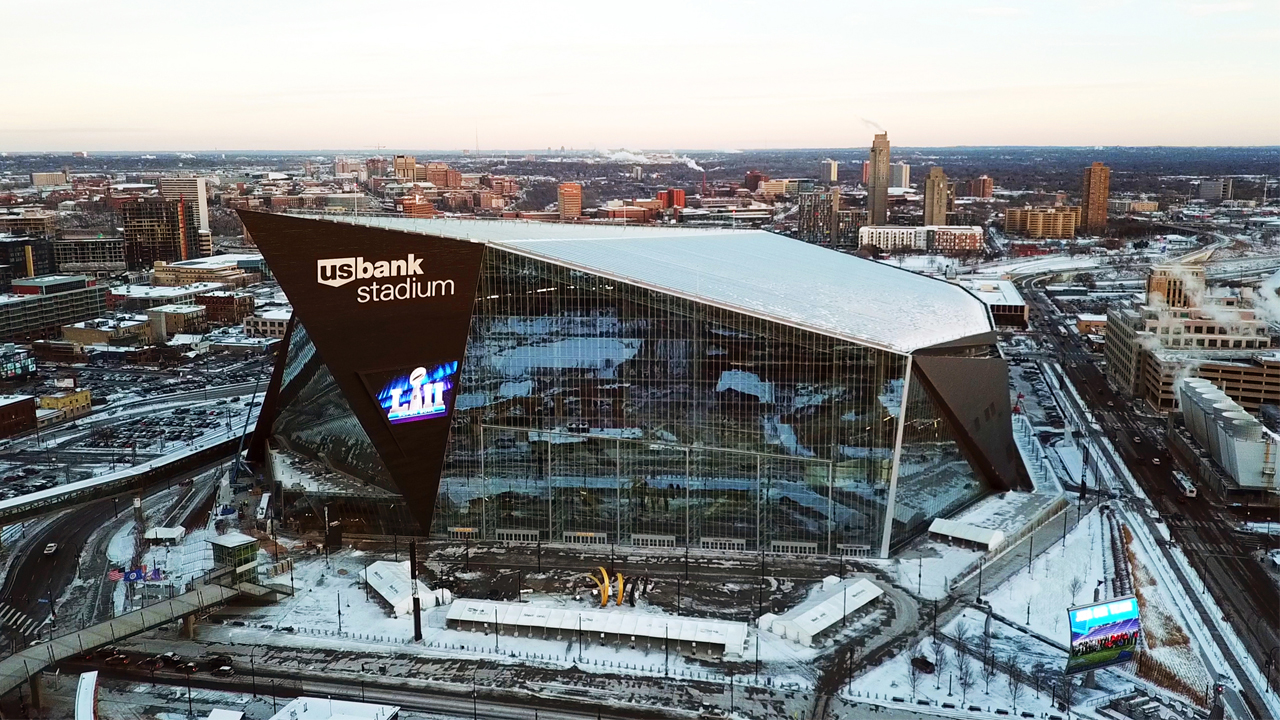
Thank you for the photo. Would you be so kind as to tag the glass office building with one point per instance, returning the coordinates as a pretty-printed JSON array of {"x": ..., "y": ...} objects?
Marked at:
[{"x": 719, "y": 390}]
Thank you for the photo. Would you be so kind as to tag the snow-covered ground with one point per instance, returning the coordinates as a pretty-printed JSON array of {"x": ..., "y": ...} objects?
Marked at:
[
  {"x": 1047, "y": 588},
  {"x": 310, "y": 618}
]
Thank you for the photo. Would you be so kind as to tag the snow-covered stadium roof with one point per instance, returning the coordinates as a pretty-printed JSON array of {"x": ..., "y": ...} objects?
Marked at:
[{"x": 748, "y": 271}]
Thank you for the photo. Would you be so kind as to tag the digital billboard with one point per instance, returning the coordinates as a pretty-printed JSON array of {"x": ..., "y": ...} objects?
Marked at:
[
  {"x": 419, "y": 394},
  {"x": 1103, "y": 634}
]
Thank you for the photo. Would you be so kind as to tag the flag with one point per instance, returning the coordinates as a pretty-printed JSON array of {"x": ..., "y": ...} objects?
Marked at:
[
  {"x": 115, "y": 575},
  {"x": 154, "y": 574},
  {"x": 135, "y": 575}
]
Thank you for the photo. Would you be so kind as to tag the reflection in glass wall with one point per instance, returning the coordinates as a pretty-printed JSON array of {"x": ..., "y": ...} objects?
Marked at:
[
  {"x": 934, "y": 478},
  {"x": 316, "y": 421},
  {"x": 595, "y": 411}
]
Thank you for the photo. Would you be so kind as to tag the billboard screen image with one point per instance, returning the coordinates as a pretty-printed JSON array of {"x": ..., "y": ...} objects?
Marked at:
[
  {"x": 418, "y": 394},
  {"x": 1103, "y": 634}
]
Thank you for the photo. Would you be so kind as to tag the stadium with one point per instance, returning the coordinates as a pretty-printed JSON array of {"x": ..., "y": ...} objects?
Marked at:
[{"x": 661, "y": 387}]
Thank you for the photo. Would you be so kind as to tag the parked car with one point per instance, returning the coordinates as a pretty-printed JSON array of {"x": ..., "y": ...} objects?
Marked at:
[{"x": 224, "y": 671}]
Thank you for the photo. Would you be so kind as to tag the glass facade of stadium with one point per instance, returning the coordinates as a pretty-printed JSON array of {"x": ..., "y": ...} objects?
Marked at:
[{"x": 596, "y": 411}]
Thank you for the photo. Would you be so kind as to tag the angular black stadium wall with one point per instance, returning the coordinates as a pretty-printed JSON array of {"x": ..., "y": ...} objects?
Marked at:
[
  {"x": 973, "y": 393},
  {"x": 388, "y": 312}
]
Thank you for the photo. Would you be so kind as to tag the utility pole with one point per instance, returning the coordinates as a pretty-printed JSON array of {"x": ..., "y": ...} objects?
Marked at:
[
  {"x": 339, "y": 613},
  {"x": 413, "y": 581}
]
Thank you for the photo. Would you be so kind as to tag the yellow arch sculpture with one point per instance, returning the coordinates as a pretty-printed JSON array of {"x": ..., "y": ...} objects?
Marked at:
[
  {"x": 604, "y": 587},
  {"x": 620, "y": 586}
]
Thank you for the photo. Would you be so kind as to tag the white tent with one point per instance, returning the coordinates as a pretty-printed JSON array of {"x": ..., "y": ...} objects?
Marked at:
[
  {"x": 807, "y": 621},
  {"x": 392, "y": 583}
]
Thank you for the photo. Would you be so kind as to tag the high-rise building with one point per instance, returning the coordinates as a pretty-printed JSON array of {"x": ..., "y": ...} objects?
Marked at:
[
  {"x": 376, "y": 166},
  {"x": 570, "y": 196},
  {"x": 830, "y": 171},
  {"x": 641, "y": 379},
  {"x": 406, "y": 168},
  {"x": 158, "y": 229},
  {"x": 192, "y": 191},
  {"x": 1215, "y": 189},
  {"x": 878, "y": 181},
  {"x": 900, "y": 175},
  {"x": 982, "y": 187},
  {"x": 1179, "y": 285},
  {"x": 935, "y": 197},
  {"x": 818, "y": 216},
  {"x": 1093, "y": 198}
]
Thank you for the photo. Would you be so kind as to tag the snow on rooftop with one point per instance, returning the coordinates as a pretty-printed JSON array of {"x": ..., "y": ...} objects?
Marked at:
[
  {"x": 748, "y": 271},
  {"x": 392, "y": 582},
  {"x": 232, "y": 540},
  {"x": 811, "y": 618},
  {"x": 614, "y": 621},
  {"x": 311, "y": 708},
  {"x": 969, "y": 533},
  {"x": 992, "y": 291}
]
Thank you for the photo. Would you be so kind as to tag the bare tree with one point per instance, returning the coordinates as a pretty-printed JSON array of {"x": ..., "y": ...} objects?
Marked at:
[
  {"x": 964, "y": 673},
  {"x": 913, "y": 678},
  {"x": 941, "y": 661},
  {"x": 1075, "y": 587},
  {"x": 988, "y": 670},
  {"x": 1016, "y": 686},
  {"x": 963, "y": 635},
  {"x": 1068, "y": 689}
]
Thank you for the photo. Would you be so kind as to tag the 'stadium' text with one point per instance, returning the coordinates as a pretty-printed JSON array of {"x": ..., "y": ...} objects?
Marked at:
[{"x": 404, "y": 290}]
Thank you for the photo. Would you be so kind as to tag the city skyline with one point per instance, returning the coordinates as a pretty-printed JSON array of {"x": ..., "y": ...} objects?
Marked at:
[{"x": 286, "y": 80}]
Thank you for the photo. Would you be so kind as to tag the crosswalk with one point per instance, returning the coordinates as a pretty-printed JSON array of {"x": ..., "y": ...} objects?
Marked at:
[
  {"x": 11, "y": 617},
  {"x": 1221, "y": 550}
]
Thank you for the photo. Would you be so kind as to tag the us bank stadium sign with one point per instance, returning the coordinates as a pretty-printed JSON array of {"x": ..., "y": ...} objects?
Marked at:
[{"x": 337, "y": 272}]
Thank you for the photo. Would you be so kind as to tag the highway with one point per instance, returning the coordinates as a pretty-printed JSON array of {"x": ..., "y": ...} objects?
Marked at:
[{"x": 1202, "y": 526}]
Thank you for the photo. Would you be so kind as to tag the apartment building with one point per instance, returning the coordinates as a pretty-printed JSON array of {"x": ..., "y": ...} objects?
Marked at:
[
  {"x": 1043, "y": 223},
  {"x": 226, "y": 307},
  {"x": 37, "y": 308},
  {"x": 29, "y": 221},
  {"x": 97, "y": 255}
]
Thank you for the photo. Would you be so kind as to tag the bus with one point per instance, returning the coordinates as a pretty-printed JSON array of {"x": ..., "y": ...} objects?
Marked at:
[{"x": 1185, "y": 487}]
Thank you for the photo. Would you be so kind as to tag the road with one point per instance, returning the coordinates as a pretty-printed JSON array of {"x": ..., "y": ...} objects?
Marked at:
[
  {"x": 383, "y": 690},
  {"x": 34, "y": 577},
  {"x": 1202, "y": 526}
]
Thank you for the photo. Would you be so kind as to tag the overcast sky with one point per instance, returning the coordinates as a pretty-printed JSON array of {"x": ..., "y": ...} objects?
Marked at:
[{"x": 655, "y": 75}]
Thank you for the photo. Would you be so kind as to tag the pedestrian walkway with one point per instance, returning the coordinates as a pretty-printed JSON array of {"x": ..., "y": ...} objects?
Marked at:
[{"x": 19, "y": 667}]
